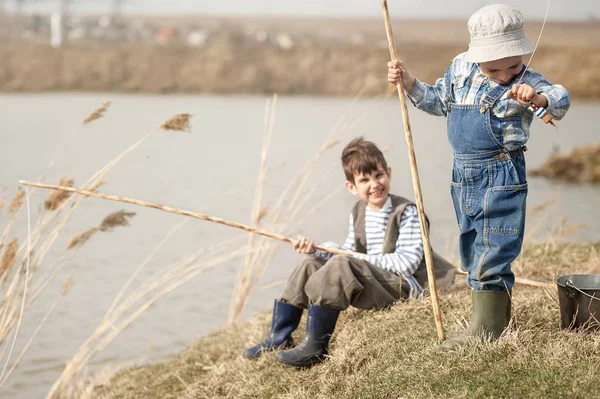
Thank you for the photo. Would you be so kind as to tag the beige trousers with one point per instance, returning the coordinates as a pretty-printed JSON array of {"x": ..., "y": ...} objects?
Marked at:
[{"x": 343, "y": 281}]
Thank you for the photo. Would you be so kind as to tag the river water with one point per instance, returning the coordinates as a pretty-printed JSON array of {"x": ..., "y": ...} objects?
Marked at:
[{"x": 213, "y": 169}]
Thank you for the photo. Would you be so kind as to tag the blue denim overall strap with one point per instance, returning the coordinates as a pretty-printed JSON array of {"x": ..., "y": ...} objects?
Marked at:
[{"x": 488, "y": 191}]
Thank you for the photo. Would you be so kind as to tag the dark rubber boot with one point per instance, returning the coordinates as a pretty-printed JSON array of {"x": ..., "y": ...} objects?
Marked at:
[
  {"x": 313, "y": 349},
  {"x": 491, "y": 315},
  {"x": 286, "y": 318}
]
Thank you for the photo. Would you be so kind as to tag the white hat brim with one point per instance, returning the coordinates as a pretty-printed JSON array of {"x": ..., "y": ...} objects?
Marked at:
[{"x": 497, "y": 51}]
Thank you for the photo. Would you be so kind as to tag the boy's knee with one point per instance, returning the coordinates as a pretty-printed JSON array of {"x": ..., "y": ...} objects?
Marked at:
[
  {"x": 338, "y": 260},
  {"x": 309, "y": 265}
]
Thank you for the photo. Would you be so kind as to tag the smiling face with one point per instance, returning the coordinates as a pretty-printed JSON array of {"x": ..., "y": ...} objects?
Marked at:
[
  {"x": 372, "y": 187},
  {"x": 503, "y": 70}
]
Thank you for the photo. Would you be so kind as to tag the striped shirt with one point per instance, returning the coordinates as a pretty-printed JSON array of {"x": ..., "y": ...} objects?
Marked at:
[
  {"x": 409, "y": 246},
  {"x": 470, "y": 84}
]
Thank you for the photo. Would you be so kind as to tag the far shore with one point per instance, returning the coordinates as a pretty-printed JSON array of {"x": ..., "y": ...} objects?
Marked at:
[
  {"x": 229, "y": 68},
  {"x": 322, "y": 57}
]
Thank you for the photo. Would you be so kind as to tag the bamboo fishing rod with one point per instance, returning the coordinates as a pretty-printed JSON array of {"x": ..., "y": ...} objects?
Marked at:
[
  {"x": 201, "y": 216},
  {"x": 183, "y": 212},
  {"x": 416, "y": 181}
]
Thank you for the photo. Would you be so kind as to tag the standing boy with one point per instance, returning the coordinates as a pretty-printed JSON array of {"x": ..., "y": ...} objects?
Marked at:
[
  {"x": 485, "y": 94},
  {"x": 384, "y": 229}
]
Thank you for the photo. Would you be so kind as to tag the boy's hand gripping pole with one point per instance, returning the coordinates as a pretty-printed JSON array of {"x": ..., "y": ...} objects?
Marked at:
[{"x": 416, "y": 183}]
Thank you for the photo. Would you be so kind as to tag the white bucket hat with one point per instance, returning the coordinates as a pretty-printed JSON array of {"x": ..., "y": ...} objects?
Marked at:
[{"x": 497, "y": 32}]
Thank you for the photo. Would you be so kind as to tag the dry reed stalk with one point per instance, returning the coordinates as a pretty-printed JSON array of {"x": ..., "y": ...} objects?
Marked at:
[
  {"x": 16, "y": 202},
  {"x": 40, "y": 225},
  {"x": 98, "y": 342},
  {"x": 178, "y": 122},
  {"x": 147, "y": 260},
  {"x": 142, "y": 265},
  {"x": 92, "y": 183},
  {"x": 8, "y": 259},
  {"x": 550, "y": 200},
  {"x": 112, "y": 220},
  {"x": 545, "y": 206},
  {"x": 27, "y": 346},
  {"x": 272, "y": 284},
  {"x": 57, "y": 197},
  {"x": 242, "y": 285},
  {"x": 97, "y": 113},
  {"x": 66, "y": 287},
  {"x": 265, "y": 257},
  {"x": 263, "y": 213},
  {"x": 79, "y": 239},
  {"x": 171, "y": 272},
  {"x": 23, "y": 296},
  {"x": 116, "y": 219},
  {"x": 567, "y": 230}
]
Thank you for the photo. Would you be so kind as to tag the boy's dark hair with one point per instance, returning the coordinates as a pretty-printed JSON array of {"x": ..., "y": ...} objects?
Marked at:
[{"x": 361, "y": 156}]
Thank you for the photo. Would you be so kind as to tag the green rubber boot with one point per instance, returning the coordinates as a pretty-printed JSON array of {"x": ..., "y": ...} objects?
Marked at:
[{"x": 491, "y": 315}]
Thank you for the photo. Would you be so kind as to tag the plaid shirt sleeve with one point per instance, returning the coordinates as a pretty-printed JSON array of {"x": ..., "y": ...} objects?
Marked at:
[
  {"x": 431, "y": 99},
  {"x": 559, "y": 98}
]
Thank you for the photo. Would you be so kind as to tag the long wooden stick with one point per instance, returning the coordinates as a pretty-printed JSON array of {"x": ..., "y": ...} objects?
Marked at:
[
  {"x": 183, "y": 212},
  {"x": 164, "y": 208},
  {"x": 416, "y": 182},
  {"x": 521, "y": 281}
]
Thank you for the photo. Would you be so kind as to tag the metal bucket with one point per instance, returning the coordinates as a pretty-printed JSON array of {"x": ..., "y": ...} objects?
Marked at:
[{"x": 579, "y": 300}]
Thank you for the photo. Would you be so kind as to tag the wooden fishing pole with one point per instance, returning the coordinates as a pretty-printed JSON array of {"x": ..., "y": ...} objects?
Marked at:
[
  {"x": 416, "y": 182},
  {"x": 183, "y": 212},
  {"x": 201, "y": 216}
]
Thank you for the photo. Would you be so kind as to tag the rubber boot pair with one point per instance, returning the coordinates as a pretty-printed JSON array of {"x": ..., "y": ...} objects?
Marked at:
[
  {"x": 314, "y": 348},
  {"x": 491, "y": 315},
  {"x": 286, "y": 318}
]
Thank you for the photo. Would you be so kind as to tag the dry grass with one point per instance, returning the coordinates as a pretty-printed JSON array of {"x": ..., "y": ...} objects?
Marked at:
[
  {"x": 112, "y": 220},
  {"x": 393, "y": 353},
  {"x": 178, "y": 122},
  {"x": 79, "y": 239},
  {"x": 57, "y": 197},
  {"x": 97, "y": 113},
  {"x": 582, "y": 165},
  {"x": 25, "y": 271},
  {"x": 8, "y": 259},
  {"x": 16, "y": 202},
  {"x": 116, "y": 219}
]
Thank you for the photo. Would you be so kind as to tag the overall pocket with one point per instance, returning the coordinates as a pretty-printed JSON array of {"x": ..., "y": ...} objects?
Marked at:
[{"x": 505, "y": 208}]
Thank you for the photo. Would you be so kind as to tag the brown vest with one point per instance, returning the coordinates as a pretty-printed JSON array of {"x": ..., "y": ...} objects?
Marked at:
[{"x": 444, "y": 270}]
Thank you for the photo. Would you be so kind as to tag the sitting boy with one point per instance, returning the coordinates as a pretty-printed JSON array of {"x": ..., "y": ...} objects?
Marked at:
[{"x": 385, "y": 230}]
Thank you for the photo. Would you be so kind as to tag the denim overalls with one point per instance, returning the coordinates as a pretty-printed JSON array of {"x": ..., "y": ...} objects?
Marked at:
[{"x": 489, "y": 190}]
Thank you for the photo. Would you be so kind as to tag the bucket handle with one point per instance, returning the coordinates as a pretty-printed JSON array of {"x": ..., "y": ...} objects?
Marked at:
[{"x": 570, "y": 284}]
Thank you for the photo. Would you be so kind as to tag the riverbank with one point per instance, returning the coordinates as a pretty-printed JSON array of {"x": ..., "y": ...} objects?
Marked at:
[
  {"x": 228, "y": 68},
  {"x": 582, "y": 165},
  {"x": 393, "y": 353}
]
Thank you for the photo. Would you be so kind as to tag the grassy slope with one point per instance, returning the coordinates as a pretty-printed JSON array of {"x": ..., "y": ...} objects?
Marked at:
[{"x": 394, "y": 354}]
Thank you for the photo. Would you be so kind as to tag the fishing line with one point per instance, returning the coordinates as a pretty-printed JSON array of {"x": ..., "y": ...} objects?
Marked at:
[{"x": 538, "y": 41}]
